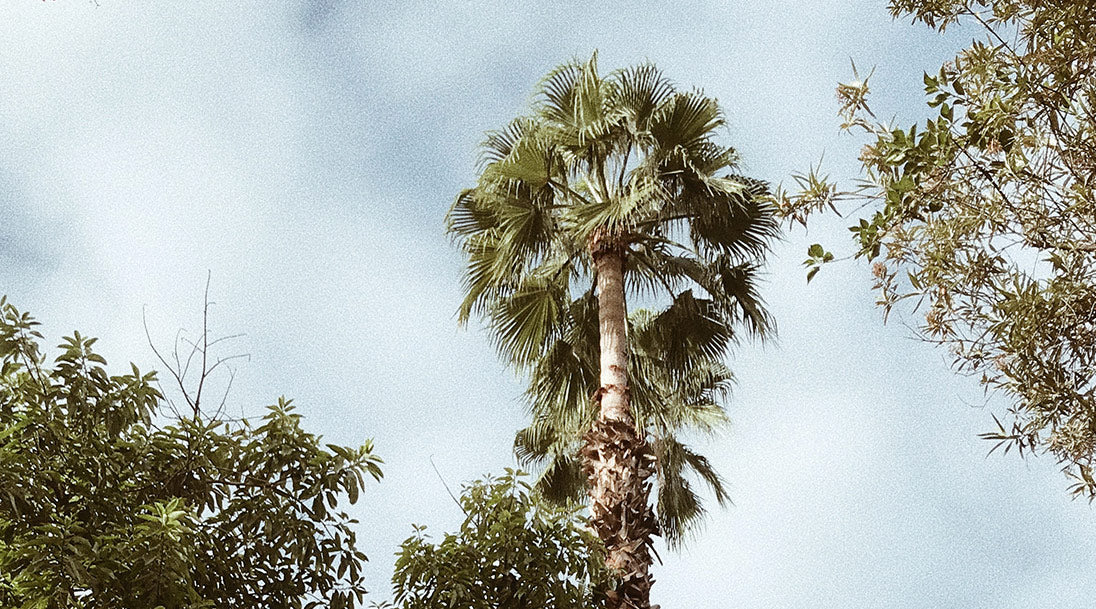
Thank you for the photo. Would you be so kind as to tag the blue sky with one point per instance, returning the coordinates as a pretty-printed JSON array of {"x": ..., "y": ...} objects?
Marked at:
[{"x": 304, "y": 154}]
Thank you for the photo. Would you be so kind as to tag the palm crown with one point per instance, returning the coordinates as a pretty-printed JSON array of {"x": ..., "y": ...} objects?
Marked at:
[{"x": 626, "y": 155}]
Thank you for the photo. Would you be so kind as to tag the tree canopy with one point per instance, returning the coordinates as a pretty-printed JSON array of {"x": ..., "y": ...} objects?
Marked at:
[
  {"x": 625, "y": 157},
  {"x": 513, "y": 550},
  {"x": 986, "y": 214},
  {"x": 109, "y": 497}
]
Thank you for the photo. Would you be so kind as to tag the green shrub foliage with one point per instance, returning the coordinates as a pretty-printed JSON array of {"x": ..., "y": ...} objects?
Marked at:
[
  {"x": 513, "y": 550},
  {"x": 109, "y": 497}
]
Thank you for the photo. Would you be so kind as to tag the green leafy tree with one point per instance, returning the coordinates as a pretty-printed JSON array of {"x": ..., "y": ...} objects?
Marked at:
[
  {"x": 986, "y": 214},
  {"x": 513, "y": 551},
  {"x": 612, "y": 186},
  {"x": 111, "y": 498}
]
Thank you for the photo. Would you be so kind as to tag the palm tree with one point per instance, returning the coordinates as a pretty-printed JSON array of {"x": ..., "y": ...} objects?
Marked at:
[{"x": 613, "y": 187}]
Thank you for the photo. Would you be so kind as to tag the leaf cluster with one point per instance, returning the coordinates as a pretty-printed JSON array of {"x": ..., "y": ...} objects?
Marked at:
[
  {"x": 107, "y": 500},
  {"x": 985, "y": 215},
  {"x": 512, "y": 551},
  {"x": 678, "y": 386}
]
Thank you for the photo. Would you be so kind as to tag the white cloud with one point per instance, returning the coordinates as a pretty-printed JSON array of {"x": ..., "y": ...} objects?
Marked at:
[{"x": 305, "y": 155}]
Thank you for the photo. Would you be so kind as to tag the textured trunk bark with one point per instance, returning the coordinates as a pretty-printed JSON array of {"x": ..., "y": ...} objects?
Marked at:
[
  {"x": 612, "y": 313},
  {"x": 616, "y": 458}
]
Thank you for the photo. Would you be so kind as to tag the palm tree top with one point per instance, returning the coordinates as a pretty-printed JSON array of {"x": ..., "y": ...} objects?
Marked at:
[{"x": 625, "y": 162}]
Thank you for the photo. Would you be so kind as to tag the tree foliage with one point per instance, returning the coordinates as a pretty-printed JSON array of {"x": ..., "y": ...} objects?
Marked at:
[
  {"x": 513, "y": 551},
  {"x": 986, "y": 214},
  {"x": 629, "y": 154},
  {"x": 110, "y": 499}
]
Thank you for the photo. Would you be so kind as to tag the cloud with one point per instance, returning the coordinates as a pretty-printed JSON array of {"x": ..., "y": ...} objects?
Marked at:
[{"x": 305, "y": 153}]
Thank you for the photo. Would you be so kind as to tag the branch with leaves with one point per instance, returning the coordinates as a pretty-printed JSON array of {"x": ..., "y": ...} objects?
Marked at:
[
  {"x": 985, "y": 215},
  {"x": 109, "y": 499}
]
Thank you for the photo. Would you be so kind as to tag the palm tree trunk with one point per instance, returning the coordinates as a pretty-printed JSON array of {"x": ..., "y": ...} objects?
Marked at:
[{"x": 616, "y": 458}]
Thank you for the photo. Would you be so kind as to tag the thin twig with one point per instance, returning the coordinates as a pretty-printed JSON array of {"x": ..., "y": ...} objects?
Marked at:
[
  {"x": 205, "y": 347},
  {"x": 174, "y": 372},
  {"x": 451, "y": 495}
]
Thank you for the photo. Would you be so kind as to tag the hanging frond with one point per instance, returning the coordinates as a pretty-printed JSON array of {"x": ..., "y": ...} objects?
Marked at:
[
  {"x": 564, "y": 380},
  {"x": 731, "y": 285},
  {"x": 678, "y": 505},
  {"x": 671, "y": 398},
  {"x": 736, "y": 288},
  {"x": 734, "y": 217},
  {"x": 562, "y": 481},
  {"x": 701, "y": 412},
  {"x": 688, "y": 328}
]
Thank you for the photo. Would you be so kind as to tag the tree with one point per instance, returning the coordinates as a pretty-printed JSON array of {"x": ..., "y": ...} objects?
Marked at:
[
  {"x": 612, "y": 186},
  {"x": 512, "y": 551},
  {"x": 986, "y": 215},
  {"x": 109, "y": 497}
]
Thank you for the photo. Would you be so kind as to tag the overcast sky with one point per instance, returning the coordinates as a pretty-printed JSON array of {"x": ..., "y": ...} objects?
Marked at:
[{"x": 304, "y": 155}]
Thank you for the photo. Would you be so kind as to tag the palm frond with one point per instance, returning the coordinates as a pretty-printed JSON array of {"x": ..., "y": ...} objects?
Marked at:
[
  {"x": 677, "y": 504},
  {"x": 589, "y": 117},
  {"x": 563, "y": 382},
  {"x": 733, "y": 217},
  {"x": 573, "y": 102},
  {"x": 702, "y": 467},
  {"x": 525, "y": 320},
  {"x": 530, "y": 162},
  {"x": 670, "y": 397},
  {"x": 620, "y": 214},
  {"x": 499, "y": 143},
  {"x": 534, "y": 444},
  {"x": 562, "y": 481},
  {"x": 686, "y": 120},
  {"x": 467, "y": 217},
  {"x": 689, "y": 328},
  {"x": 707, "y": 159},
  {"x": 486, "y": 275},
  {"x": 557, "y": 100},
  {"x": 733, "y": 286},
  {"x": 736, "y": 287},
  {"x": 640, "y": 91}
]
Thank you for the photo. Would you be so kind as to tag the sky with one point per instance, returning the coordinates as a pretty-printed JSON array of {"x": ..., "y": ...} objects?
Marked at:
[{"x": 302, "y": 156}]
